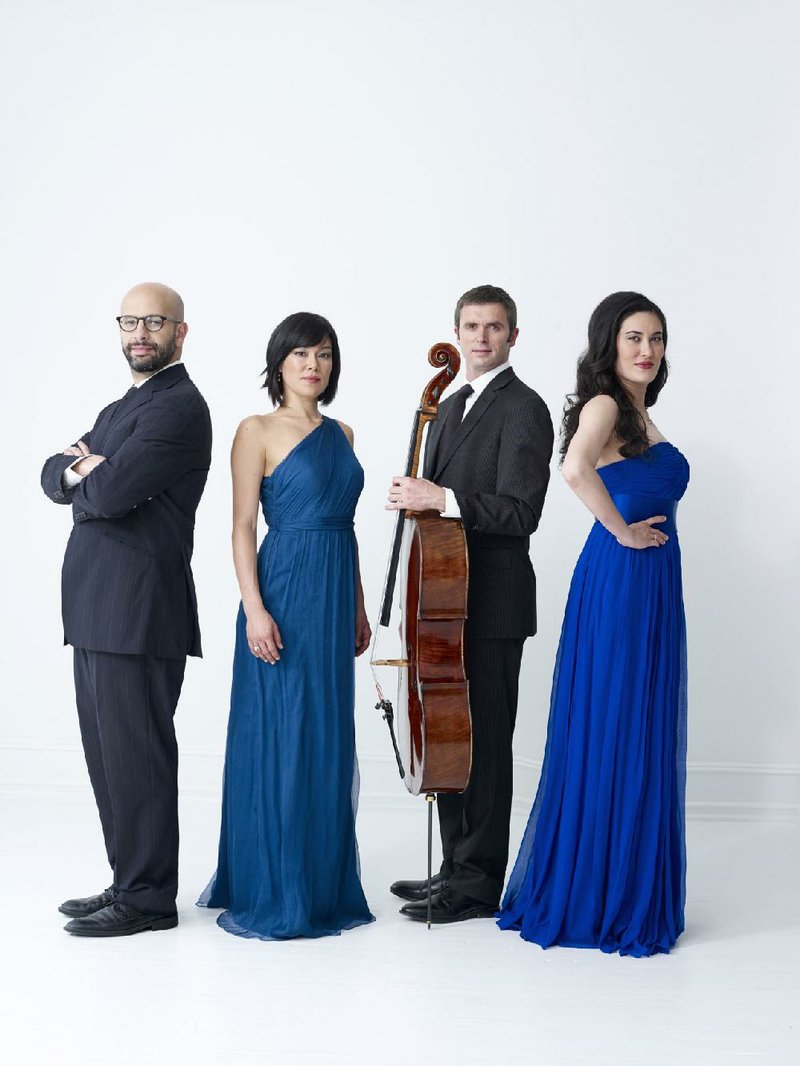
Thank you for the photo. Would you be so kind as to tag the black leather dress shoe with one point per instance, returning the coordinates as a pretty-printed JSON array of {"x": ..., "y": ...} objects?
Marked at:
[
  {"x": 117, "y": 919},
  {"x": 447, "y": 907},
  {"x": 414, "y": 891},
  {"x": 79, "y": 908}
]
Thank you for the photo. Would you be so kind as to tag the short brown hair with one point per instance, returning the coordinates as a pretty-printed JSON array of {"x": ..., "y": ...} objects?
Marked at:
[{"x": 488, "y": 294}]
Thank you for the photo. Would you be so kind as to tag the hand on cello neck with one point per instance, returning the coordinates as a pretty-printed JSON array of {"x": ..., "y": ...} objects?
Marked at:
[{"x": 415, "y": 494}]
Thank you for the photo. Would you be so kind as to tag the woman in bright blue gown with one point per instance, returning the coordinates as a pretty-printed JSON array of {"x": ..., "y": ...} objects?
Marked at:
[
  {"x": 288, "y": 859},
  {"x": 603, "y": 862}
]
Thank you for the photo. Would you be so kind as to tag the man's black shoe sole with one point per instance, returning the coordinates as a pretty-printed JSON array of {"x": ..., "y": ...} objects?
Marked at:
[
  {"x": 145, "y": 924},
  {"x": 474, "y": 912}
]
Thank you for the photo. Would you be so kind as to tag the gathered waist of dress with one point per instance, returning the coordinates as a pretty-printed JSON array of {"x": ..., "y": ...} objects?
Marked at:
[
  {"x": 635, "y": 508},
  {"x": 311, "y": 525}
]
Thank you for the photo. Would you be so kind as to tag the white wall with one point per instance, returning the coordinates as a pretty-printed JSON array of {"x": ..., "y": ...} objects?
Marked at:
[{"x": 371, "y": 161}]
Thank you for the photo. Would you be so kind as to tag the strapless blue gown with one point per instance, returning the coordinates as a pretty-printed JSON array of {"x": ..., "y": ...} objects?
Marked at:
[
  {"x": 288, "y": 860},
  {"x": 603, "y": 860}
]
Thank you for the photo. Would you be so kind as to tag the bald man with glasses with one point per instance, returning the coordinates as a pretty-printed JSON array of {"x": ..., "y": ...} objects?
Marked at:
[{"x": 129, "y": 607}]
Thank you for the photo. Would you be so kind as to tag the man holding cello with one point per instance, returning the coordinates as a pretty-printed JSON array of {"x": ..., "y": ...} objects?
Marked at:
[{"x": 487, "y": 462}]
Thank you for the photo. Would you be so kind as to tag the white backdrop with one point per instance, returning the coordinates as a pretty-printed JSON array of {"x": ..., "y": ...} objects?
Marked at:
[{"x": 371, "y": 161}]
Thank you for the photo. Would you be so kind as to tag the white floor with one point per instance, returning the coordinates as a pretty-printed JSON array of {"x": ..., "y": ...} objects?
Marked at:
[{"x": 392, "y": 992}]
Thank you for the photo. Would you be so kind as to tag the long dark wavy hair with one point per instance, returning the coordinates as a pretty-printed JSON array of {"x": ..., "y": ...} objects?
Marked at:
[{"x": 596, "y": 374}]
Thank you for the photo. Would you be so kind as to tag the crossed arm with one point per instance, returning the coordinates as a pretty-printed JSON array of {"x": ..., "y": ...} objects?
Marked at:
[
  {"x": 160, "y": 450},
  {"x": 53, "y": 482}
]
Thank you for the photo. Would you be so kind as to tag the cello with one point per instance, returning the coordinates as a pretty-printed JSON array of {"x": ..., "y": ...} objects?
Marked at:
[{"x": 428, "y": 575}]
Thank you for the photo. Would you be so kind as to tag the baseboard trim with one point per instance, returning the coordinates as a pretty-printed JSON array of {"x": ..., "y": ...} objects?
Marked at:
[{"x": 716, "y": 791}]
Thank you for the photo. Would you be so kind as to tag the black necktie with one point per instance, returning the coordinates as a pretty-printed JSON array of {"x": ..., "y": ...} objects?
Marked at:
[{"x": 452, "y": 422}]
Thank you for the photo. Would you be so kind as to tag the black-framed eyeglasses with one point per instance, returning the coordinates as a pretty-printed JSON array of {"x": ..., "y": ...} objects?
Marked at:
[{"x": 152, "y": 323}]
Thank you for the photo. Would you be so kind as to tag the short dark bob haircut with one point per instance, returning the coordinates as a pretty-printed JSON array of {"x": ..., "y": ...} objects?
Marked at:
[
  {"x": 488, "y": 294},
  {"x": 300, "y": 330},
  {"x": 597, "y": 376}
]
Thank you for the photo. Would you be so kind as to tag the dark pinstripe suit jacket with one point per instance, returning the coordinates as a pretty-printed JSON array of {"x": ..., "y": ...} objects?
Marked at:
[
  {"x": 126, "y": 584},
  {"x": 498, "y": 467}
]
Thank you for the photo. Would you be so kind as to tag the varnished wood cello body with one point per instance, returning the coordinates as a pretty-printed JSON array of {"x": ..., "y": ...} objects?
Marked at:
[{"x": 428, "y": 576}]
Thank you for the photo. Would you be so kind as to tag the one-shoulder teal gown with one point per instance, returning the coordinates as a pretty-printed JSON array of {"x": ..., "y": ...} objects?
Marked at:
[
  {"x": 603, "y": 861},
  {"x": 288, "y": 861}
]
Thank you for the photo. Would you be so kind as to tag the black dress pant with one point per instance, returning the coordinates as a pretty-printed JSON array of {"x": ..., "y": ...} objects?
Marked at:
[
  {"x": 474, "y": 824},
  {"x": 126, "y": 707}
]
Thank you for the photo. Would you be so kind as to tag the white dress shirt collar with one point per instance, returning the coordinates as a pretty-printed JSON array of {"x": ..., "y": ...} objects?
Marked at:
[
  {"x": 451, "y": 507},
  {"x": 138, "y": 384}
]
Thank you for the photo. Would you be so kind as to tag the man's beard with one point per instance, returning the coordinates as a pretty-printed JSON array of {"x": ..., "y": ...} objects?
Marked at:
[{"x": 159, "y": 357}]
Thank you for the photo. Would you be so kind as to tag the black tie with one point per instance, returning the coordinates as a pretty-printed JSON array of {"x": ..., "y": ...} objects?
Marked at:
[{"x": 452, "y": 422}]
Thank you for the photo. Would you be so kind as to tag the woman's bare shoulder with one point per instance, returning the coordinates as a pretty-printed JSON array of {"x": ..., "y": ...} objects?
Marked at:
[
  {"x": 257, "y": 426},
  {"x": 601, "y": 406},
  {"x": 346, "y": 430}
]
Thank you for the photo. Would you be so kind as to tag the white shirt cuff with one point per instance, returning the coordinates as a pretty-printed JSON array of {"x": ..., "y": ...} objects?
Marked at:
[
  {"x": 451, "y": 508},
  {"x": 69, "y": 479}
]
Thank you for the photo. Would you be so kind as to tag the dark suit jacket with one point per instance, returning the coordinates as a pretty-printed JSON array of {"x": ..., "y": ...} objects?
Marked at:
[
  {"x": 498, "y": 467},
  {"x": 127, "y": 583}
]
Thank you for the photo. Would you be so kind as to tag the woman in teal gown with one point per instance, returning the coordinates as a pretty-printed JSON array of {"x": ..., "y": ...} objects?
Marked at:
[
  {"x": 288, "y": 858},
  {"x": 602, "y": 863}
]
